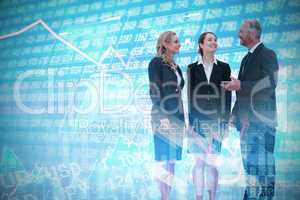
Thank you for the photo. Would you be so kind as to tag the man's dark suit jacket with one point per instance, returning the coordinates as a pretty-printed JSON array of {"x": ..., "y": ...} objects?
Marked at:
[
  {"x": 256, "y": 100},
  {"x": 208, "y": 100},
  {"x": 164, "y": 90}
]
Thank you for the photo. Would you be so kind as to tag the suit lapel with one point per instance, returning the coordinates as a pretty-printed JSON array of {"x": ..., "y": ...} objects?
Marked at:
[
  {"x": 180, "y": 74},
  {"x": 214, "y": 72},
  {"x": 247, "y": 62},
  {"x": 201, "y": 73},
  {"x": 243, "y": 66}
]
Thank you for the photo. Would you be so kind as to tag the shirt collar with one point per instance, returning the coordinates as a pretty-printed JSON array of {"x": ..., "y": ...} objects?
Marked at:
[
  {"x": 200, "y": 61},
  {"x": 254, "y": 47}
]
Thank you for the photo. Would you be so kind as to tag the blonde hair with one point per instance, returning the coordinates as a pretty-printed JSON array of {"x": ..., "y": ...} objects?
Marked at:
[{"x": 163, "y": 39}]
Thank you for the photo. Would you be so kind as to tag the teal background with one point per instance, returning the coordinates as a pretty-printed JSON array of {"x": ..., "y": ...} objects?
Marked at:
[{"x": 81, "y": 68}]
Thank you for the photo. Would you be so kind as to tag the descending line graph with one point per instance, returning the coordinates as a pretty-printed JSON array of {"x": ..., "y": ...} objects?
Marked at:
[
  {"x": 41, "y": 22},
  {"x": 110, "y": 50}
]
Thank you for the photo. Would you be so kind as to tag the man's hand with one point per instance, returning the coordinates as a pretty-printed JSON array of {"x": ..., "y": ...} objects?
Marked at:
[{"x": 234, "y": 84}]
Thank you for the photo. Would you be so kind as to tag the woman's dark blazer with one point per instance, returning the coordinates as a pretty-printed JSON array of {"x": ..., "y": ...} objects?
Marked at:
[
  {"x": 164, "y": 91},
  {"x": 208, "y": 100}
]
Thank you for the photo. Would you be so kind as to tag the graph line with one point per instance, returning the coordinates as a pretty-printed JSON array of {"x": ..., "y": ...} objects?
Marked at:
[{"x": 76, "y": 49}]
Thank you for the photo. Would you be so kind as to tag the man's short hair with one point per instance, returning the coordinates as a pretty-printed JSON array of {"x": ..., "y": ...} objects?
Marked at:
[{"x": 254, "y": 25}]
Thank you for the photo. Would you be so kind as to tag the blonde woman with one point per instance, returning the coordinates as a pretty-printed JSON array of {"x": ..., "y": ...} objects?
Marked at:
[{"x": 166, "y": 83}]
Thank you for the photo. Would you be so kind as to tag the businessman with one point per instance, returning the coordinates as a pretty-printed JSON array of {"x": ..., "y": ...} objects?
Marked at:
[{"x": 254, "y": 112}]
